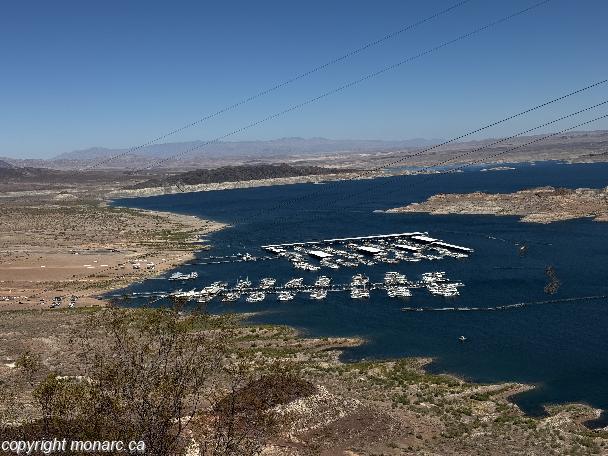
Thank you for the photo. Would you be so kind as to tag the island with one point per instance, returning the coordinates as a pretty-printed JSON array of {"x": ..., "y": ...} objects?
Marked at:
[{"x": 537, "y": 205}]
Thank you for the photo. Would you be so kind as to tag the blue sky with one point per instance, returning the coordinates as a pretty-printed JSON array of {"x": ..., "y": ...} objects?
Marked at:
[{"x": 115, "y": 73}]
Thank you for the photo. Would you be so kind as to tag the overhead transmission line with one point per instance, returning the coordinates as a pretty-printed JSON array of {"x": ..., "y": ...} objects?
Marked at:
[
  {"x": 343, "y": 87},
  {"x": 379, "y": 184},
  {"x": 292, "y": 200},
  {"x": 536, "y": 140},
  {"x": 333, "y": 184},
  {"x": 282, "y": 84}
]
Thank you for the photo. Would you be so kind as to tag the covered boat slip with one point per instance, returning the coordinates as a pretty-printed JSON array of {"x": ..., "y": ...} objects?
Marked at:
[{"x": 413, "y": 242}]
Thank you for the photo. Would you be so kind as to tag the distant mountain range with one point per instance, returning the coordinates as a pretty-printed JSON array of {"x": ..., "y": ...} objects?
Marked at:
[
  {"x": 282, "y": 146},
  {"x": 185, "y": 156},
  {"x": 199, "y": 153}
]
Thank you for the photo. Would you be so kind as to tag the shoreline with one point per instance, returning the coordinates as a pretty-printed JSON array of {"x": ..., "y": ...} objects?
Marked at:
[
  {"x": 184, "y": 256},
  {"x": 158, "y": 191},
  {"x": 203, "y": 227},
  {"x": 133, "y": 244},
  {"x": 584, "y": 412},
  {"x": 535, "y": 205},
  {"x": 406, "y": 170}
]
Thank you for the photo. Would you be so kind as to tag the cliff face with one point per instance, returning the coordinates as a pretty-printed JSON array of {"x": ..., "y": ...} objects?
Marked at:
[{"x": 539, "y": 205}]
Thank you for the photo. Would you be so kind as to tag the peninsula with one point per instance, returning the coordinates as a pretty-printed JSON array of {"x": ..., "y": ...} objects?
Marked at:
[{"x": 537, "y": 205}]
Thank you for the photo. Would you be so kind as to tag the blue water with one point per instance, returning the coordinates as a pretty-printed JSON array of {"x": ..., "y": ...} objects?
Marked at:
[{"x": 562, "y": 348}]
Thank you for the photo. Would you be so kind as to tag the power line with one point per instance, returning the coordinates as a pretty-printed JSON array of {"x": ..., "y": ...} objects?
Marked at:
[
  {"x": 245, "y": 219},
  {"x": 379, "y": 184},
  {"x": 447, "y": 172},
  {"x": 329, "y": 186},
  {"x": 284, "y": 83},
  {"x": 495, "y": 143},
  {"x": 344, "y": 86}
]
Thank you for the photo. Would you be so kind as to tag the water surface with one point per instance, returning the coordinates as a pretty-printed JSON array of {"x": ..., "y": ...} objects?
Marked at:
[{"x": 562, "y": 348}]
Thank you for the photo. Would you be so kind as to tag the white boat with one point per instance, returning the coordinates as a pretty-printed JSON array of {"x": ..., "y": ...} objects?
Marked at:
[
  {"x": 205, "y": 298},
  {"x": 293, "y": 283},
  {"x": 210, "y": 292},
  {"x": 186, "y": 294},
  {"x": 462, "y": 339},
  {"x": 390, "y": 260},
  {"x": 429, "y": 277},
  {"x": 359, "y": 279},
  {"x": 348, "y": 264},
  {"x": 329, "y": 264},
  {"x": 182, "y": 276},
  {"x": 446, "y": 290},
  {"x": 231, "y": 296},
  {"x": 398, "y": 292},
  {"x": 243, "y": 283},
  {"x": 322, "y": 281},
  {"x": 286, "y": 295},
  {"x": 394, "y": 278},
  {"x": 305, "y": 266},
  {"x": 359, "y": 293},
  {"x": 267, "y": 282},
  {"x": 256, "y": 296},
  {"x": 213, "y": 289},
  {"x": 318, "y": 294}
]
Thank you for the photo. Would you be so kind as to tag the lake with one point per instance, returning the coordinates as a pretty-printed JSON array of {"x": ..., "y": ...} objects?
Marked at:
[{"x": 560, "y": 347}]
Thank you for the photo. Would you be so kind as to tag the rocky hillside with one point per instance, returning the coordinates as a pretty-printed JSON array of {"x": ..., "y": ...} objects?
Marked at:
[
  {"x": 235, "y": 174},
  {"x": 538, "y": 205}
]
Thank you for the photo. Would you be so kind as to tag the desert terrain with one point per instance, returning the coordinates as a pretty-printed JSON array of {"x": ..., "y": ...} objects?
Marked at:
[
  {"x": 65, "y": 240},
  {"x": 324, "y": 407},
  {"x": 61, "y": 245}
]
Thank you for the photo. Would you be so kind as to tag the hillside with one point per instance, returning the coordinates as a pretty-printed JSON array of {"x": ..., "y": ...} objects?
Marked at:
[
  {"x": 538, "y": 205},
  {"x": 235, "y": 174}
]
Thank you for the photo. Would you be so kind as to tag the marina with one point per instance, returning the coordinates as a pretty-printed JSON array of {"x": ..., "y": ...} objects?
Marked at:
[
  {"x": 366, "y": 250},
  {"x": 394, "y": 284},
  {"x": 310, "y": 256},
  {"x": 496, "y": 274}
]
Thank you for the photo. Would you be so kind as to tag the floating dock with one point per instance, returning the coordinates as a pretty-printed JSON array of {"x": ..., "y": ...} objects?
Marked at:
[
  {"x": 367, "y": 250},
  {"x": 272, "y": 247},
  {"x": 417, "y": 237}
]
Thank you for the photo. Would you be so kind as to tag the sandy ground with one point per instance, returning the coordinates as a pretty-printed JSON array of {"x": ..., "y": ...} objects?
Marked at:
[{"x": 84, "y": 248}]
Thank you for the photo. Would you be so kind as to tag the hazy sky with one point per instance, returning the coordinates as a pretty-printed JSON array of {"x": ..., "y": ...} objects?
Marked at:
[{"x": 117, "y": 73}]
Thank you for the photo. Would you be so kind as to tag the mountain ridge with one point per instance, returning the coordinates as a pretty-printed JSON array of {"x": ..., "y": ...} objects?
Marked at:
[{"x": 286, "y": 145}]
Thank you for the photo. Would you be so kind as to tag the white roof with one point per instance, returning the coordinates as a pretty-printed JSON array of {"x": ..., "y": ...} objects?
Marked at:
[
  {"x": 459, "y": 247},
  {"x": 320, "y": 254},
  {"x": 423, "y": 238},
  {"x": 407, "y": 247},
  {"x": 365, "y": 248}
]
